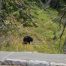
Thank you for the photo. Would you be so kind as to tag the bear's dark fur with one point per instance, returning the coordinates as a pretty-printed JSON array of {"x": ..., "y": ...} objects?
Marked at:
[{"x": 27, "y": 39}]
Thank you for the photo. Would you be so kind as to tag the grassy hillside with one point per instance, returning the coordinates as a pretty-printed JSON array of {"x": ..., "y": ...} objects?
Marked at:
[{"x": 42, "y": 34}]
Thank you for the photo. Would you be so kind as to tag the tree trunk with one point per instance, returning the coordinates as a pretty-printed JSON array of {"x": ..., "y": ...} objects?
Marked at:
[
  {"x": 61, "y": 37},
  {"x": 62, "y": 31},
  {"x": 0, "y": 4}
]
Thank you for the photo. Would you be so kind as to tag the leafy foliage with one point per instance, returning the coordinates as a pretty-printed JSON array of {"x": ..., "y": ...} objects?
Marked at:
[{"x": 20, "y": 9}]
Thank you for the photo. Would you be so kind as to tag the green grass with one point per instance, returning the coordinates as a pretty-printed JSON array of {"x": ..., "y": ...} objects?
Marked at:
[{"x": 42, "y": 34}]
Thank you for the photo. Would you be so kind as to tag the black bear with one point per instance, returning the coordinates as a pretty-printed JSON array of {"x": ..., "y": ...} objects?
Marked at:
[{"x": 27, "y": 39}]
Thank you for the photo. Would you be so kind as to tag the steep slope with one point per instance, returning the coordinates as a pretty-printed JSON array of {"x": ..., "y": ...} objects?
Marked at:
[{"x": 25, "y": 17}]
